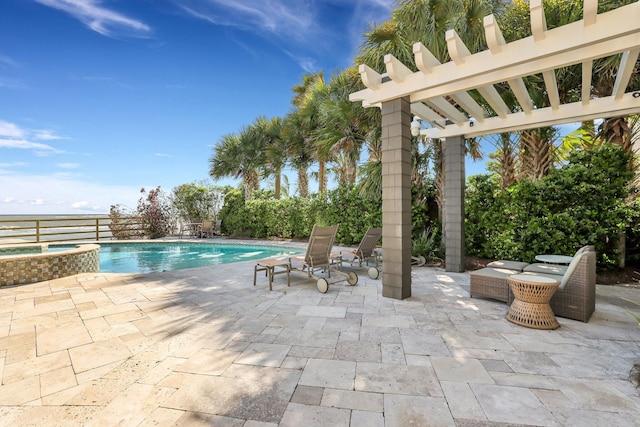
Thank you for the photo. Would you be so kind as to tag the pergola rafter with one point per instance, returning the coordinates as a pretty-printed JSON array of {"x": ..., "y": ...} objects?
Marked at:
[{"x": 445, "y": 96}]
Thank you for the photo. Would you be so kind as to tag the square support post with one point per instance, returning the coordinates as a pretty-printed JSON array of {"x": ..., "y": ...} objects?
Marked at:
[
  {"x": 396, "y": 198},
  {"x": 454, "y": 176}
]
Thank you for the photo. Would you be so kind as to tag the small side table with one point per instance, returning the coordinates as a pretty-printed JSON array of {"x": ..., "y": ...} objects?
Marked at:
[
  {"x": 269, "y": 265},
  {"x": 554, "y": 259},
  {"x": 531, "y": 307}
]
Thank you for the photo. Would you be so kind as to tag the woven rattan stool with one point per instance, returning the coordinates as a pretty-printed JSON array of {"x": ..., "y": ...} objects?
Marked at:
[{"x": 530, "y": 306}]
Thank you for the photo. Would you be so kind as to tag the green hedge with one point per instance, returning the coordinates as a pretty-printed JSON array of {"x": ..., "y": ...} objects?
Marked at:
[
  {"x": 294, "y": 217},
  {"x": 582, "y": 203}
]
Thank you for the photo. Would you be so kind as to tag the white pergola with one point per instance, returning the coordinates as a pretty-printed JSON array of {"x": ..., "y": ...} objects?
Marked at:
[{"x": 439, "y": 94}]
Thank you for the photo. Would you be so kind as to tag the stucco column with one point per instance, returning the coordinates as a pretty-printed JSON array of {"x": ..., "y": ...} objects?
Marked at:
[
  {"x": 454, "y": 183},
  {"x": 396, "y": 198}
]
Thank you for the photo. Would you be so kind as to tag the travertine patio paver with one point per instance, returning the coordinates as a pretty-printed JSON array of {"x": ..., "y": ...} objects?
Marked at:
[{"x": 204, "y": 347}]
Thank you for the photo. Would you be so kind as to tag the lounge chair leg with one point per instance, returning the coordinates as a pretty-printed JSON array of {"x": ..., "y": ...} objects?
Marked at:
[{"x": 255, "y": 271}]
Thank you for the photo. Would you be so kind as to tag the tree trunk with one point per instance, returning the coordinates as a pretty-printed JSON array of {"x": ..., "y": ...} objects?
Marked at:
[
  {"x": 322, "y": 176},
  {"x": 278, "y": 185},
  {"x": 303, "y": 182},
  {"x": 251, "y": 183},
  {"x": 537, "y": 153}
]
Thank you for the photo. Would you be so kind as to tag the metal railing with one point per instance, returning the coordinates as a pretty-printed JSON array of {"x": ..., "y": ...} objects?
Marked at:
[{"x": 61, "y": 229}]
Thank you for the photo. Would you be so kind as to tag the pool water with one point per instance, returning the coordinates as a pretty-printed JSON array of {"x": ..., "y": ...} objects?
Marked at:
[{"x": 156, "y": 257}]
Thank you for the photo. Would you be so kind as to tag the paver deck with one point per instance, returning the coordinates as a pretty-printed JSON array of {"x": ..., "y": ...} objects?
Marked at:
[{"x": 204, "y": 347}]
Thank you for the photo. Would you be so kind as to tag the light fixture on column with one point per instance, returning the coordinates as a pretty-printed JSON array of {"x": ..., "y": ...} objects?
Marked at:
[
  {"x": 416, "y": 123},
  {"x": 472, "y": 122}
]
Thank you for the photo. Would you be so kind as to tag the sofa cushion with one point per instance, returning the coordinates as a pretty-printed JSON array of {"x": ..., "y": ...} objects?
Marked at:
[
  {"x": 500, "y": 273},
  {"x": 546, "y": 268},
  {"x": 511, "y": 265}
]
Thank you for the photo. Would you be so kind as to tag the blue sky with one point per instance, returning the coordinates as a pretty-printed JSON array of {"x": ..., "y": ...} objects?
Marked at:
[{"x": 99, "y": 98}]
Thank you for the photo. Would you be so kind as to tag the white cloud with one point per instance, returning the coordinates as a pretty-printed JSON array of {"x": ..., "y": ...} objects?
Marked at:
[
  {"x": 27, "y": 145},
  {"x": 46, "y": 135},
  {"x": 79, "y": 205},
  {"x": 68, "y": 165},
  {"x": 100, "y": 19},
  {"x": 10, "y": 130},
  {"x": 286, "y": 19},
  {"x": 162, "y": 155},
  {"x": 299, "y": 26},
  {"x": 13, "y": 136}
]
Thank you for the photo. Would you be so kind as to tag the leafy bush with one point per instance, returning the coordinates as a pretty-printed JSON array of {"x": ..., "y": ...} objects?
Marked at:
[
  {"x": 294, "y": 217},
  {"x": 346, "y": 207},
  {"x": 153, "y": 218},
  {"x": 155, "y": 213},
  {"x": 633, "y": 233},
  {"x": 579, "y": 204},
  {"x": 234, "y": 214},
  {"x": 427, "y": 244},
  {"x": 196, "y": 202}
]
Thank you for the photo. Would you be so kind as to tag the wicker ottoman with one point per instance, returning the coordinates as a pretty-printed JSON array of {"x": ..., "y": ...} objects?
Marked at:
[{"x": 530, "y": 306}]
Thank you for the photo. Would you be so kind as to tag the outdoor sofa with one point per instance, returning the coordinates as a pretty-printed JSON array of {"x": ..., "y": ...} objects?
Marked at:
[{"x": 575, "y": 298}]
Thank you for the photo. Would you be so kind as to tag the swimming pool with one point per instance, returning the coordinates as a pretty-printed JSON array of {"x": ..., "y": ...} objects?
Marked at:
[{"x": 164, "y": 256}]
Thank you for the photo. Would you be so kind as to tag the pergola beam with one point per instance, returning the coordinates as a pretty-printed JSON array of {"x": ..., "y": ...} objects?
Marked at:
[
  {"x": 435, "y": 119},
  {"x": 442, "y": 105},
  {"x": 469, "y": 105},
  {"x": 495, "y": 41},
  {"x": 587, "y": 72},
  {"x": 552, "y": 88},
  {"x": 627, "y": 65},
  {"x": 566, "y": 113}
]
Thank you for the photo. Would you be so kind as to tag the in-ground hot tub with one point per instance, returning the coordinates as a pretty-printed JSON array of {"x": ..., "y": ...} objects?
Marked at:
[{"x": 31, "y": 263}]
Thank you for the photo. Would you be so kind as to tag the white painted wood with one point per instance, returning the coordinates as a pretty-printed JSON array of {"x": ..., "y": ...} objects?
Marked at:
[
  {"x": 538, "y": 20},
  {"x": 425, "y": 60},
  {"x": 456, "y": 47},
  {"x": 370, "y": 77},
  {"x": 627, "y": 64},
  {"x": 396, "y": 70},
  {"x": 587, "y": 72}
]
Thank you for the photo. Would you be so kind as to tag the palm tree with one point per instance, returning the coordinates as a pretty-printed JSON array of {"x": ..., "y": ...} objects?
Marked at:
[
  {"x": 346, "y": 126},
  {"x": 238, "y": 156},
  {"x": 270, "y": 134},
  {"x": 298, "y": 153},
  {"x": 303, "y": 123}
]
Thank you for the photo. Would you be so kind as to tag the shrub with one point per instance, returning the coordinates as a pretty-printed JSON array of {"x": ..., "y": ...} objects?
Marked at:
[
  {"x": 579, "y": 204},
  {"x": 427, "y": 244},
  {"x": 155, "y": 214},
  {"x": 124, "y": 223},
  {"x": 196, "y": 202}
]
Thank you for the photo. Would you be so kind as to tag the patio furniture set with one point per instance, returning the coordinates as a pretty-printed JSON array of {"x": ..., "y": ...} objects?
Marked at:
[
  {"x": 535, "y": 292},
  {"x": 205, "y": 228}
]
